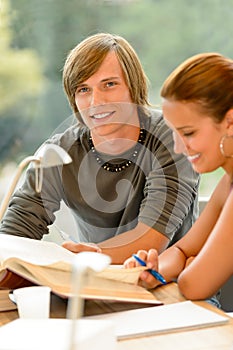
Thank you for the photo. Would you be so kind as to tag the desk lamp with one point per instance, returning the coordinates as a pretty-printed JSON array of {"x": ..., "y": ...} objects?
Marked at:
[
  {"x": 84, "y": 263},
  {"x": 47, "y": 156}
]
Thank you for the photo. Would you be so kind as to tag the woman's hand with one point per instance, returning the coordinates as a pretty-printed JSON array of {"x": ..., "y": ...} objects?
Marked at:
[
  {"x": 151, "y": 260},
  {"x": 81, "y": 247}
]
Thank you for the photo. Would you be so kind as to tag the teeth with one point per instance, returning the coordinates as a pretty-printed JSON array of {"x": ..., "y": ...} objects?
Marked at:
[
  {"x": 101, "y": 115},
  {"x": 193, "y": 157}
]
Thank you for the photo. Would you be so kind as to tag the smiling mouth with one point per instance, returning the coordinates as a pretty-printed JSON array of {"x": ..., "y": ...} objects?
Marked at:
[
  {"x": 100, "y": 116},
  {"x": 194, "y": 157}
]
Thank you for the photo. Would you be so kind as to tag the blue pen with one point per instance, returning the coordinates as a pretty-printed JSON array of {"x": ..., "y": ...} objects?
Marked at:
[{"x": 154, "y": 273}]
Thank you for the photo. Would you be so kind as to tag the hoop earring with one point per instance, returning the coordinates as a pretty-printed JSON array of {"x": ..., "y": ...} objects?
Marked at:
[{"x": 221, "y": 146}]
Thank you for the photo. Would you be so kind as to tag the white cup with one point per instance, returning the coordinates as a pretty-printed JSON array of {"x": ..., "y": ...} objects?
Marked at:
[{"x": 33, "y": 302}]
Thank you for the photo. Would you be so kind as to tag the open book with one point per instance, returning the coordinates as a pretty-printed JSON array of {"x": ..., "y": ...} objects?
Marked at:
[{"x": 25, "y": 262}]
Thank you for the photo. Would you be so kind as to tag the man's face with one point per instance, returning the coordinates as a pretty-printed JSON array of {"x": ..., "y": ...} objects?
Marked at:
[{"x": 104, "y": 100}]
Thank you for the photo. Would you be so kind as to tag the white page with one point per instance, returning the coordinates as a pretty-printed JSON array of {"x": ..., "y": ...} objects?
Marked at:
[
  {"x": 34, "y": 251},
  {"x": 160, "y": 319}
]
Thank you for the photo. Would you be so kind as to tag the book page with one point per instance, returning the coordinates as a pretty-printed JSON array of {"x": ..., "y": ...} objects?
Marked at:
[
  {"x": 33, "y": 251},
  {"x": 122, "y": 274},
  {"x": 102, "y": 288}
]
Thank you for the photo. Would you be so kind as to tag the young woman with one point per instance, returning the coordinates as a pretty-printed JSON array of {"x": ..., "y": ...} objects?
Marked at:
[{"x": 198, "y": 107}]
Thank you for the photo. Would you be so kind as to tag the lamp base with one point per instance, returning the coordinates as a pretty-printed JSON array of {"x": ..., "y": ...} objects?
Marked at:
[{"x": 52, "y": 333}]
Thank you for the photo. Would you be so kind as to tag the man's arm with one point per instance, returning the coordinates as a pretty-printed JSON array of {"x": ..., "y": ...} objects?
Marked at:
[
  {"x": 141, "y": 237},
  {"x": 120, "y": 247},
  {"x": 29, "y": 213}
]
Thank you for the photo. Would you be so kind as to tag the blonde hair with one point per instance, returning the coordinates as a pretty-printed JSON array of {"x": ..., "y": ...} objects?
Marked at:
[
  {"x": 85, "y": 59},
  {"x": 205, "y": 79}
]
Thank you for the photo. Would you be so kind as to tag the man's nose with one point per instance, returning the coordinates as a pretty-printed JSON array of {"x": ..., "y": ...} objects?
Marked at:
[{"x": 97, "y": 97}]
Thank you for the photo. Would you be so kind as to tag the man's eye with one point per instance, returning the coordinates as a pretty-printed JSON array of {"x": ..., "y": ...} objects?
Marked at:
[
  {"x": 82, "y": 90},
  {"x": 110, "y": 83}
]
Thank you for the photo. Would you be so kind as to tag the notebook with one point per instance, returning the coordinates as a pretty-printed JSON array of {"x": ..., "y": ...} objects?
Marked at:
[{"x": 180, "y": 316}]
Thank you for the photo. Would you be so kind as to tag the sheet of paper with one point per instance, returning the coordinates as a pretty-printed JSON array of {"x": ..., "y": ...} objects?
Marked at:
[
  {"x": 54, "y": 334},
  {"x": 161, "y": 319}
]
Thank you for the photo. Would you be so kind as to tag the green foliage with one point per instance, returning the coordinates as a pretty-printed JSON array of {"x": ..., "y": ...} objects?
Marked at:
[
  {"x": 21, "y": 80},
  {"x": 20, "y": 77},
  {"x": 20, "y": 70},
  {"x": 164, "y": 33},
  {"x": 39, "y": 34},
  {"x": 209, "y": 181}
]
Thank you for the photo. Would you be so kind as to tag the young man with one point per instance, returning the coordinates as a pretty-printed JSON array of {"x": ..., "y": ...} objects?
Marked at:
[{"x": 126, "y": 187}]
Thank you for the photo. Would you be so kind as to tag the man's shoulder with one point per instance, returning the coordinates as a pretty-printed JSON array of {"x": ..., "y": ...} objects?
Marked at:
[
  {"x": 69, "y": 137},
  {"x": 156, "y": 119},
  {"x": 155, "y": 113},
  {"x": 156, "y": 125}
]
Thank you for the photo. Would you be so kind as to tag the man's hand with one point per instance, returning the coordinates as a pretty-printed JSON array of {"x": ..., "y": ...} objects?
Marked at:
[{"x": 81, "y": 247}]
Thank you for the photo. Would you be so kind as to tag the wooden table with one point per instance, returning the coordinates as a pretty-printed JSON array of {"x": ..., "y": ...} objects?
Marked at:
[{"x": 212, "y": 338}]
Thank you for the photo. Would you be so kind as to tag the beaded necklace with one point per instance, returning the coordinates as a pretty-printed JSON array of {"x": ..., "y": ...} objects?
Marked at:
[{"x": 113, "y": 167}]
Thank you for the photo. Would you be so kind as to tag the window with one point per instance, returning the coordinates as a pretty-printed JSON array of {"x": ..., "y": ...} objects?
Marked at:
[{"x": 35, "y": 37}]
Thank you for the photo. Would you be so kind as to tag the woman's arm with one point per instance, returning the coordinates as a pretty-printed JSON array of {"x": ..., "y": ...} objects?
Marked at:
[
  {"x": 213, "y": 266},
  {"x": 178, "y": 257}
]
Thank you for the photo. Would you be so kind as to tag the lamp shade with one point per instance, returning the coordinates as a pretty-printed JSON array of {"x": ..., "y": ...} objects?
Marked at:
[
  {"x": 91, "y": 260},
  {"x": 52, "y": 155}
]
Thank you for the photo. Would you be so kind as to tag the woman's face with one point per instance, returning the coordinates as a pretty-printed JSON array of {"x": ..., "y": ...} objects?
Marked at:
[{"x": 195, "y": 134}]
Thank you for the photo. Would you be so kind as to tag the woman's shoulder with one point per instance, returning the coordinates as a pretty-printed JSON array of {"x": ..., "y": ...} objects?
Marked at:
[{"x": 222, "y": 190}]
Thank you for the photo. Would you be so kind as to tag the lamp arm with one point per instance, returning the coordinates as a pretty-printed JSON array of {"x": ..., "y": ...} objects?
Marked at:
[
  {"x": 15, "y": 180},
  {"x": 76, "y": 302}
]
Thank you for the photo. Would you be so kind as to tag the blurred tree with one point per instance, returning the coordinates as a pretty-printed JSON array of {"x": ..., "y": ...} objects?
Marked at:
[
  {"x": 20, "y": 80},
  {"x": 163, "y": 33}
]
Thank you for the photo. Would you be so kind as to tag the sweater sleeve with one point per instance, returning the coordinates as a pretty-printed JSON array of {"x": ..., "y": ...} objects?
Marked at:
[
  {"x": 170, "y": 203},
  {"x": 29, "y": 213}
]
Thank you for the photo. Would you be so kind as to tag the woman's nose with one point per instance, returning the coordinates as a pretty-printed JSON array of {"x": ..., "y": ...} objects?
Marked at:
[{"x": 179, "y": 146}]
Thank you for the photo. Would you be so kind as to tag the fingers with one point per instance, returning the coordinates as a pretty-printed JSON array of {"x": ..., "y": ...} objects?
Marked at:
[
  {"x": 81, "y": 247},
  {"x": 131, "y": 262},
  {"x": 151, "y": 260},
  {"x": 147, "y": 280}
]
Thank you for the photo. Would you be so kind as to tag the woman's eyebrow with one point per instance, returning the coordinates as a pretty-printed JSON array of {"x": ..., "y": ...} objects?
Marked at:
[{"x": 184, "y": 127}]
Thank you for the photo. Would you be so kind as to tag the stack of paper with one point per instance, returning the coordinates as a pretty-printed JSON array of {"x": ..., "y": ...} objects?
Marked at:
[{"x": 161, "y": 319}]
